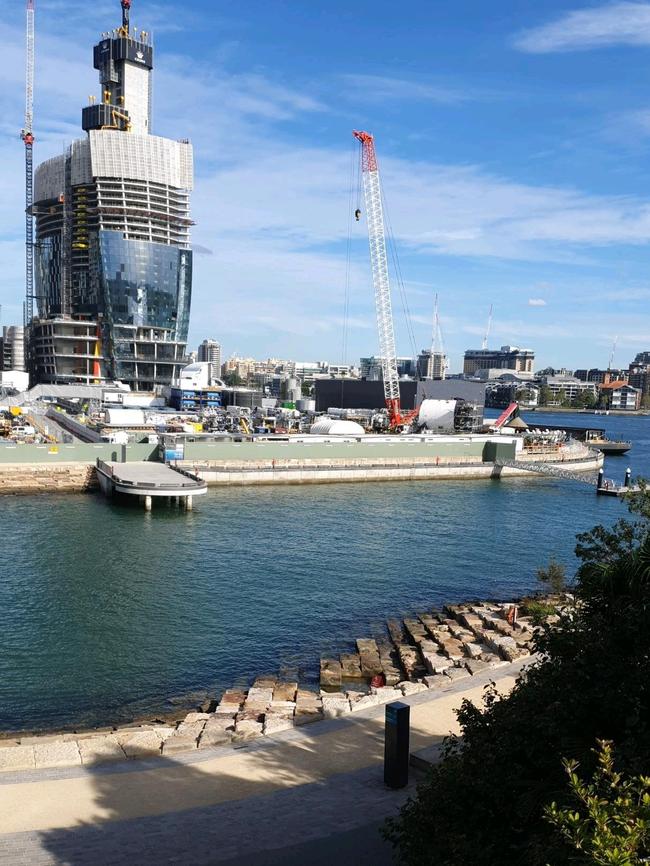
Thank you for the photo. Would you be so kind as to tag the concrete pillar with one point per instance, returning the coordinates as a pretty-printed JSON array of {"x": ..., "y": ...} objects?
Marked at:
[
  {"x": 147, "y": 503},
  {"x": 188, "y": 503}
]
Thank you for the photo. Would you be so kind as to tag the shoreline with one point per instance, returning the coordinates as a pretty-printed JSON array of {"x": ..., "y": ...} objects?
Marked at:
[
  {"x": 429, "y": 650},
  {"x": 77, "y": 476}
]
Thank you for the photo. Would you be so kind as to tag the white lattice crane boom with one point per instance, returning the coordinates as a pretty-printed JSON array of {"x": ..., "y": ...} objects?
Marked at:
[
  {"x": 27, "y": 136},
  {"x": 379, "y": 265}
]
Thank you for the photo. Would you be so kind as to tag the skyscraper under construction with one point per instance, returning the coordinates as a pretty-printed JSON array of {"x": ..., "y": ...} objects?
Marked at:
[{"x": 113, "y": 263}]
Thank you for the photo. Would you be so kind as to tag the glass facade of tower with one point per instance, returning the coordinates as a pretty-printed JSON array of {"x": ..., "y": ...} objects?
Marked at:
[{"x": 145, "y": 284}]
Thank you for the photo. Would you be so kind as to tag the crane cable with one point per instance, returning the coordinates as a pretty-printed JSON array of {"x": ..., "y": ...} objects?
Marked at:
[
  {"x": 348, "y": 259},
  {"x": 392, "y": 246}
]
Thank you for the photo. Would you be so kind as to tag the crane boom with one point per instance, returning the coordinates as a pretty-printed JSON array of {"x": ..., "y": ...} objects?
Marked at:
[
  {"x": 27, "y": 136},
  {"x": 379, "y": 265}
]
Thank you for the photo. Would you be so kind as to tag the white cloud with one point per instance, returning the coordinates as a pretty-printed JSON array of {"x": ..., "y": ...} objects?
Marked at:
[
  {"x": 536, "y": 302},
  {"x": 379, "y": 88},
  {"x": 612, "y": 24}
]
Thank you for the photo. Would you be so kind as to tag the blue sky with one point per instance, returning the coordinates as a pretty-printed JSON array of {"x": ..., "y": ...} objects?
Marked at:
[{"x": 514, "y": 144}]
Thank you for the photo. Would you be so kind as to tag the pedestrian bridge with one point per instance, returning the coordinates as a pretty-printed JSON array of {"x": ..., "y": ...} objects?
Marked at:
[{"x": 550, "y": 469}]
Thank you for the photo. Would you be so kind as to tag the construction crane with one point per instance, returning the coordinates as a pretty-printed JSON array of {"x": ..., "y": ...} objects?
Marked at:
[
  {"x": 487, "y": 330},
  {"x": 380, "y": 279},
  {"x": 27, "y": 136}
]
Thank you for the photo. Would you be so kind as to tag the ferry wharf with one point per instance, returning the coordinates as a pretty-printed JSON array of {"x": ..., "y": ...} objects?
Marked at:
[{"x": 148, "y": 480}]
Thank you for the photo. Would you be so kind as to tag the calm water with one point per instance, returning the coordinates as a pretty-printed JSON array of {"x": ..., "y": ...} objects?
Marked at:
[{"x": 108, "y": 611}]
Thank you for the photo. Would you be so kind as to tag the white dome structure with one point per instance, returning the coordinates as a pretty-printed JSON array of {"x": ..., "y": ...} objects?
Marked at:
[{"x": 336, "y": 427}]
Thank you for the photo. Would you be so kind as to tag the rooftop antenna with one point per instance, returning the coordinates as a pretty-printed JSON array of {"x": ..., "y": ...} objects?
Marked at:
[
  {"x": 487, "y": 330},
  {"x": 126, "y": 5},
  {"x": 611, "y": 354}
]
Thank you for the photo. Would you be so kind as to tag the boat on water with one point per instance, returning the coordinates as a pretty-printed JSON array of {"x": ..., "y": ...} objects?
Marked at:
[{"x": 593, "y": 437}]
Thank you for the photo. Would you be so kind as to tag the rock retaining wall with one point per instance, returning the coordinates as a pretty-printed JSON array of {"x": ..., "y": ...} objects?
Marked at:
[
  {"x": 44, "y": 478},
  {"x": 428, "y": 651}
]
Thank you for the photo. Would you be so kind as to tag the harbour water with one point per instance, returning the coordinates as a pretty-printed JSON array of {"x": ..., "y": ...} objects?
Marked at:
[{"x": 108, "y": 612}]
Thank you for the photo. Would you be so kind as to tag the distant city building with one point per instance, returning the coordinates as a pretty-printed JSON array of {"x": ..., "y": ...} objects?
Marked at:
[
  {"x": 505, "y": 358},
  {"x": 639, "y": 375},
  {"x": 431, "y": 365},
  {"x": 620, "y": 395},
  {"x": 12, "y": 356},
  {"x": 602, "y": 377},
  {"x": 371, "y": 369},
  {"x": 568, "y": 388},
  {"x": 552, "y": 371},
  {"x": 210, "y": 352},
  {"x": 113, "y": 264}
]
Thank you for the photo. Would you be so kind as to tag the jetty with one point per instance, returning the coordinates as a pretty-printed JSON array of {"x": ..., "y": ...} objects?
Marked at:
[{"x": 147, "y": 480}]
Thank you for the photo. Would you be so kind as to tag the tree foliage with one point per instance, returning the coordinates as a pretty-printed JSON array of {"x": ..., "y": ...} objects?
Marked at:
[
  {"x": 485, "y": 802},
  {"x": 553, "y": 577},
  {"x": 609, "y": 821}
]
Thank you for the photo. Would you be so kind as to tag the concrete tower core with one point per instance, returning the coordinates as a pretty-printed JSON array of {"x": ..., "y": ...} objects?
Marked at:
[{"x": 124, "y": 60}]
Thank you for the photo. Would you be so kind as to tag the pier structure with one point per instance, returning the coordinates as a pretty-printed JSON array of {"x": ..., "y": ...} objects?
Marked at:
[{"x": 148, "y": 480}]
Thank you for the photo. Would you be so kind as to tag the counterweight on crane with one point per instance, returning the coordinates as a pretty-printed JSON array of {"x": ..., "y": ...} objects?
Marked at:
[
  {"x": 27, "y": 136},
  {"x": 380, "y": 279}
]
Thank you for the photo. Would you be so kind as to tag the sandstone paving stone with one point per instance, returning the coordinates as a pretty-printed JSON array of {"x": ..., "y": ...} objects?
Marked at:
[
  {"x": 191, "y": 729},
  {"x": 387, "y": 694},
  {"x": 282, "y": 707},
  {"x": 141, "y": 744},
  {"x": 227, "y": 710},
  {"x": 164, "y": 731},
  {"x": 364, "y": 702},
  {"x": 353, "y": 695},
  {"x": 396, "y": 631},
  {"x": 99, "y": 750},
  {"x": 17, "y": 758},
  {"x": 218, "y": 731},
  {"x": 56, "y": 754}
]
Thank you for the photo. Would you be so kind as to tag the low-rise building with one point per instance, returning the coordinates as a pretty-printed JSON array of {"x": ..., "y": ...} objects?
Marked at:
[
  {"x": 620, "y": 395},
  {"x": 568, "y": 388}
]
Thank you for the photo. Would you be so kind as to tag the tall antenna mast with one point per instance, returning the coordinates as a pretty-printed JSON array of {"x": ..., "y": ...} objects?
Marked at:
[
  {"x": 487, "y": 330},
  {"x": 611, "y": 354},
  {"x": 27, "y": 136}
]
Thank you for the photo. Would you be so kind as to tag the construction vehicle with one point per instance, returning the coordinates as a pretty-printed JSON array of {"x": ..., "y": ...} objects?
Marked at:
[{"x": 380, "y": 278}]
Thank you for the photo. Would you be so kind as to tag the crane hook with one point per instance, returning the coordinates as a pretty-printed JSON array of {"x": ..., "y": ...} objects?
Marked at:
[{"x": 357, "y": 214}]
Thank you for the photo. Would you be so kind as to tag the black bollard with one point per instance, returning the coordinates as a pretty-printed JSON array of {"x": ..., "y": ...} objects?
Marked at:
[
  {"x": 601, "y": 478},
  {"x": 396, "y": 745},
  {"x": 123, "y": 453},
  {"x": 628, "y": 477}
]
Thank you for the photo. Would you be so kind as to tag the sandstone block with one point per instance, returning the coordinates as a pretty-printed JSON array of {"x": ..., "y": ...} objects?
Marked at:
[
  {"x": 473, "y": 650},
  {"x": 475, "y": 666},
  {"x": 227, "y": 710},
  {"x": 273, "y": 724},
  {"x": 99, "y": 750},
  {"x": 233, "y": 696},
  {"x": 266, "y": 681},
  {"x": 179, "y": 743},
  {"x": 258, "y": 695},
  {"x": 436, "y": 662},
  {"x": 351, "y": 665},
  {"x": 142, "y": 744},
  {"x": 306, "y": 715},
  {"x": 438, "y": 681},
  {"x": 330, "y": 673},
  {"x": 56, "y": 754},
  {"x": 335, "y": 706},
  {"x": 412, "y": 688},
  {"x": 17, "y": 758},
  {"x": 190, "y": 718},
  {"x": 457, "y": 674},
  {"x": 248, "y": 727},
  {"x": 285, "y": 692}
]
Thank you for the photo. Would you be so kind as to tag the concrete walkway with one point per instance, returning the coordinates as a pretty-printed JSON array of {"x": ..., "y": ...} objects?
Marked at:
[{"x": 276, "y": 796}]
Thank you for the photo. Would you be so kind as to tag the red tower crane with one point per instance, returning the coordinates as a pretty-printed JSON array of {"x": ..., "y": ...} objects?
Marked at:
[{"x": 380, "y": 278}]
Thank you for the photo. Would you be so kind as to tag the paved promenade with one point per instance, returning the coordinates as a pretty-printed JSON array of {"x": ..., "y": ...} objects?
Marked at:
[{"x": 309, "y": 795}]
